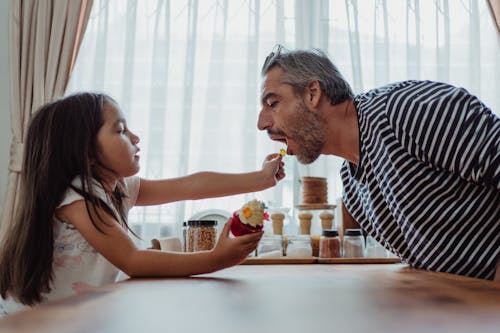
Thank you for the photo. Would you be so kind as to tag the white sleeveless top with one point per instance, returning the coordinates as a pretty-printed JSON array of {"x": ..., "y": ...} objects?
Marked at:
[{"x": 77, "y": 266}]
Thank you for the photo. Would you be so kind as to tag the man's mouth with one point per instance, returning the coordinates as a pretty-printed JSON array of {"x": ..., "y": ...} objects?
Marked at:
[
  {"x": 282, "y": 140},
  {"x": 280, "y": 137}
]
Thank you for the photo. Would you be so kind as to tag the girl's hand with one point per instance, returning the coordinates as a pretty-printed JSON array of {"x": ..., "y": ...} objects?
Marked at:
[
  {"x": 233, "y": 251},
  {"x": 273, "y": 168}
]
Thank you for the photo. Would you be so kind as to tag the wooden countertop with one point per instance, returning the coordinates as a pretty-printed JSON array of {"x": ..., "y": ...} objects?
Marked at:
[{"x": 278, "y": 298}]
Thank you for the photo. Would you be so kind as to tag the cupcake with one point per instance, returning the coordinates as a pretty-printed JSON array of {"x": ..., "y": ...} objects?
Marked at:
[{"x": 250, "y": 218}]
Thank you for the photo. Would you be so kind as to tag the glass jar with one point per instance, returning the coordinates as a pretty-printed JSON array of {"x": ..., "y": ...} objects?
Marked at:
[
  {"x": 374, "y": 249},
  {"x": 184, "y": 236},
  {"x": 354, "y": 243},
  {"x": 201, "y": 235},
  {"x": 270, "y": 247},
  {"x": 329, "y": 244},
  {"x": 299, "y": 246}
]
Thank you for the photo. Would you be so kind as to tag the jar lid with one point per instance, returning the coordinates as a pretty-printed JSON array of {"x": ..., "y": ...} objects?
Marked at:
[
  {"x": 353, "y": 232},
  {"x": 330, "y": 233},
  {"x": 202, "y": 223}
]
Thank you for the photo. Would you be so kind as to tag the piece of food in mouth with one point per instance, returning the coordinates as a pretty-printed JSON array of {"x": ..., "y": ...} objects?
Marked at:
[
  {"x": 249, "y": 218},
  {"x": 282, "y": 152}
]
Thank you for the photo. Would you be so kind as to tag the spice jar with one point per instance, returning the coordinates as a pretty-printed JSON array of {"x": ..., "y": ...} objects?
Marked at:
[
  {"x": 270, "y": 247},
  {"x": 315, "y": 244},
  {"x": 201, "y": 235},
  {"x": 354, "y": 243},
  {"x": 299, "y": 246},
  {"x": 329, "y": 244}
]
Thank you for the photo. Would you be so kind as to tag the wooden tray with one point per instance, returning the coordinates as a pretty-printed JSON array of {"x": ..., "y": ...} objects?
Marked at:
[
  {"x": 358, "y": 260},
  {"x": 315, "y": 260},
  {"x": 279, "y": 261}
]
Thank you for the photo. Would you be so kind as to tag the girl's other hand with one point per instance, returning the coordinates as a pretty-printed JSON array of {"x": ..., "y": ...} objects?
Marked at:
[
  {"x": 233, "y": 251},
  {"x": 273, "y": 167}
]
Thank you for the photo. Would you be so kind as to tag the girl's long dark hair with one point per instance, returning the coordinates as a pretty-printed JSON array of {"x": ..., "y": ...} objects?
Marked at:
[{"x": 61, "y": 145}]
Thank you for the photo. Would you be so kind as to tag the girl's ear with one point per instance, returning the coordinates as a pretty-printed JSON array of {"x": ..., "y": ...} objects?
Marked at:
[{"x": 313, "y": 94}]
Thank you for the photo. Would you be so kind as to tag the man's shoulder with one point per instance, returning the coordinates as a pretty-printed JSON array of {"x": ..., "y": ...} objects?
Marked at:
[
  {"x": 380, "y": 94},
  {"x": 410, "y": 91},
  {"x": 401, "y": 85}
]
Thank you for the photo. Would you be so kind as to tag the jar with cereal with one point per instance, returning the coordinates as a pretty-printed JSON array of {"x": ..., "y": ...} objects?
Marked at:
[{"x": 201, "y": 235}]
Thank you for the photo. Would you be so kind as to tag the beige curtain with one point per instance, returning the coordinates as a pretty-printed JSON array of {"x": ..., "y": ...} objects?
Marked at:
[
  {"x": 495, "y": 12},
  {"x": 44, "y": 39}
]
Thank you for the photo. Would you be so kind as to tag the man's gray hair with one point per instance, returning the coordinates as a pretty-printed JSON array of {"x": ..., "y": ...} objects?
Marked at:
[{"x": 302, "y": 67}]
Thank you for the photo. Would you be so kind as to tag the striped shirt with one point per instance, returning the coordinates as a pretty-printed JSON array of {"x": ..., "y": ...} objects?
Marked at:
[{"x": 427, "y": 185}]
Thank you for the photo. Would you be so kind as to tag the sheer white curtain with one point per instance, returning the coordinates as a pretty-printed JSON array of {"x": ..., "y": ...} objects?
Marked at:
[{"x": 187, "y": 75}]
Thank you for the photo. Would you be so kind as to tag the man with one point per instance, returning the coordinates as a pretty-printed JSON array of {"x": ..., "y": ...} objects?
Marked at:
[{"x": 422, "y": 169}]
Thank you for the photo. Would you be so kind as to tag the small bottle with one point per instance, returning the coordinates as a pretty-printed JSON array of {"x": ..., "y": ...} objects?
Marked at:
[
  {"x": 270, "y": 247},
  {"x": 184, "y": 236},
  {"x": 201, "y": 235},
  {"x": 329, "y": 244},
  {"x": 315, "y": 239},
  {"x": 299, "y": 246},
  {"x": 354, "y": 243}
]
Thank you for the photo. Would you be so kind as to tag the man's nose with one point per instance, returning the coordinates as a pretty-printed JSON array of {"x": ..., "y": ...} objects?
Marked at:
[{"x": 264, "y": 122}]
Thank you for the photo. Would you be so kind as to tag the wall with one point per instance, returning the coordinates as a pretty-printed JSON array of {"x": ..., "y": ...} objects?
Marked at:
[{"x": 5, "y": 131}]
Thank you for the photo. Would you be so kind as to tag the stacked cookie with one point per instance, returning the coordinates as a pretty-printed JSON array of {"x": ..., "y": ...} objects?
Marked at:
[{"x": 314, "y": 190}]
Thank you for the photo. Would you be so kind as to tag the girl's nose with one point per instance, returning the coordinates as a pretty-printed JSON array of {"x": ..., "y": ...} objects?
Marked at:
[{"x": 134, "y": 138}]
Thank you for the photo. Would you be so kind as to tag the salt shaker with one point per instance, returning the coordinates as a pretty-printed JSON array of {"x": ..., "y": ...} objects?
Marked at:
[
  {"x": 374, "y": 249},
  {"x": 354, "y": 243}
]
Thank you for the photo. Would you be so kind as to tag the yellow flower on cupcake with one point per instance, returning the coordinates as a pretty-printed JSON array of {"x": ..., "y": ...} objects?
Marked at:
[{"x": 249, "y": 218}]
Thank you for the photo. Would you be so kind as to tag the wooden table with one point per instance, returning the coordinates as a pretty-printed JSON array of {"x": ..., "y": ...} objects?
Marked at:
[{"x": 278, "y": 298}]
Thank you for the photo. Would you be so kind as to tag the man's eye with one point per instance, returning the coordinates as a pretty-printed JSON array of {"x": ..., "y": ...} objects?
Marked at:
[{"x": 272, "y": 104}]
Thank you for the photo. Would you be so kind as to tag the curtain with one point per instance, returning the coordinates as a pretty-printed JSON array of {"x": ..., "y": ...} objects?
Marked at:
[
  {"x": 44, "y": 40},
  {"x": 187, "y": 75},
  {"x": 495, "y": 12}
]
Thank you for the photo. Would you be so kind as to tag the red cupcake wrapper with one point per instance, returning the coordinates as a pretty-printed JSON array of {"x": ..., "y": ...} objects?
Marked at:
[{"x": 238, "y": 228}]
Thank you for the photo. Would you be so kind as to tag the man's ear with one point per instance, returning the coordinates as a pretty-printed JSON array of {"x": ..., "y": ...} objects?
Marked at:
[{"x": 313, "y": 94}]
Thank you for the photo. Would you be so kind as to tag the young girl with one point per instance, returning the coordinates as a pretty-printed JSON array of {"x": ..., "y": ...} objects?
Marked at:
[{"x": 70, "y": 231}]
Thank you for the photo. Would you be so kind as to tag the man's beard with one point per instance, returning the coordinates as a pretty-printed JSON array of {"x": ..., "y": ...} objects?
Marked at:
[{"x": 307, "y": 131}]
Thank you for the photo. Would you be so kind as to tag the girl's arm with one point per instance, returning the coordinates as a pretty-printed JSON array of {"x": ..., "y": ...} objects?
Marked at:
[
  {"x": 117, "y": 247},
  {"x": 210, "y": 184}
]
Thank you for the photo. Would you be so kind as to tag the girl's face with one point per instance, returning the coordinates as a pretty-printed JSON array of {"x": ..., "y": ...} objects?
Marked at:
[{"x": 117, "y": 145}]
